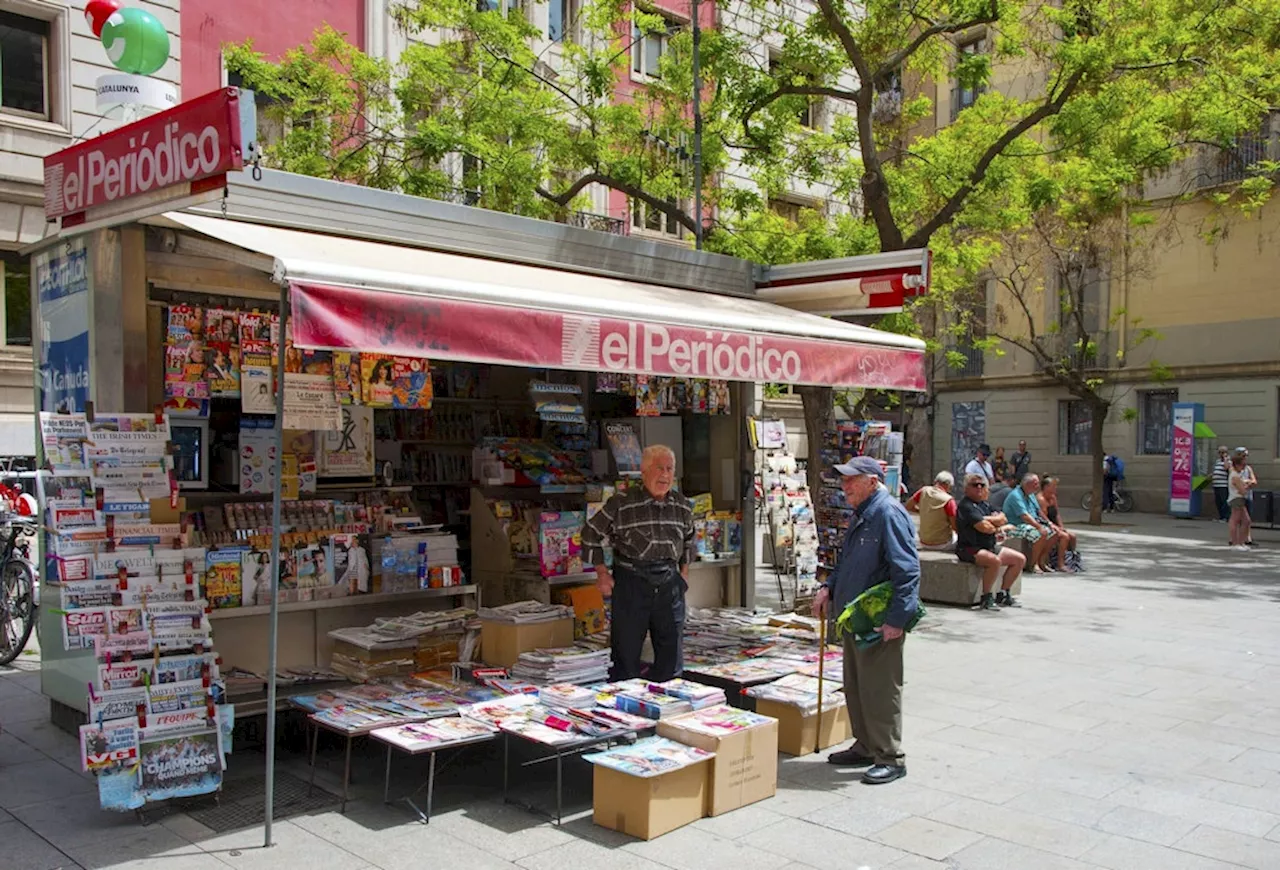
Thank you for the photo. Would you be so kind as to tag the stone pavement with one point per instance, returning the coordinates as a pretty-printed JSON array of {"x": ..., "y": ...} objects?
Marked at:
[{"x": 1127, "y": 718}]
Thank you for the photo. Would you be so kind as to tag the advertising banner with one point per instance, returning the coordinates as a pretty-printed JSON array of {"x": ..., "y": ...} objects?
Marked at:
[
  {"x": 62, "y": 286},
  {"x": 414, "y": 325}
]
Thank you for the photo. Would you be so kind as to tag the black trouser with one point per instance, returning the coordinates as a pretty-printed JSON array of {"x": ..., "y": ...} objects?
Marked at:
[
  {"x": 1220, "y": 498},
  {"x": 648, "y": 598}
]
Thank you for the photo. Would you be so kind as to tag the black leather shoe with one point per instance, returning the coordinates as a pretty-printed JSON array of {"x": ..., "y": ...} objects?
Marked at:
[
  {"x": 850, "y": 757},
  {"x": 882, "y": 773}
]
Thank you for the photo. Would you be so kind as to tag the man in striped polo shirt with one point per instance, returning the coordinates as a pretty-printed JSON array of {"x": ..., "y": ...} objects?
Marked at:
[{"x": 651, "y": 532}]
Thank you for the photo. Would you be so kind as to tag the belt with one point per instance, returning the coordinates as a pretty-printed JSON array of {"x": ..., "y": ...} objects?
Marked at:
[{"x": 655, "y": 572}]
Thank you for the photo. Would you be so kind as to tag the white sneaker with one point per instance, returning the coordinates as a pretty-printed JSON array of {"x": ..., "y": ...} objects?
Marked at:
[{"x": 1240, "y": 548}]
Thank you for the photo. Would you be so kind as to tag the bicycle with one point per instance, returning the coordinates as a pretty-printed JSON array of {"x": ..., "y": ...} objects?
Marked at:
[
  {"x": 17, "y": 587},
  {"x": 1124, "y": 498}
]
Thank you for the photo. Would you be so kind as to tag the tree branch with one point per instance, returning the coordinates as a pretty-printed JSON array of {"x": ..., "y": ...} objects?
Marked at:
[
  {"x": 670, "y": 210},
  {"x": 1049, "y": 108},
  {"x": 847, "y": 40},
  {"x": 938, "y": 28},
  {"x": 792, "y": 90}
]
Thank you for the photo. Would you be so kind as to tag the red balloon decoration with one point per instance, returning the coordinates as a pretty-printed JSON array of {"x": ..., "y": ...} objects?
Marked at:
[{"x": 96, "y": 12}]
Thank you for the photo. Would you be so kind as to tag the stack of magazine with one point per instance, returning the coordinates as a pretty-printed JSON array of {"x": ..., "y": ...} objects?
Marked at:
[
  {"x": 650, "y": 757},
  {"x": 698, "y": 695},
  {"x": 722, "y": 720},
  {"x": 436, "y": 734},
  {"x": 567, "y": 695},
  {"x": 798, "y": 690}
]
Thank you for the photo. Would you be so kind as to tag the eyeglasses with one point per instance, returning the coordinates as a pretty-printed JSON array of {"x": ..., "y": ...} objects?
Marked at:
[{"x": 978, "y": 485}]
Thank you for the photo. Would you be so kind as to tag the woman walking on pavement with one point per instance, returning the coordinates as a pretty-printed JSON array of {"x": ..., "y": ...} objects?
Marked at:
[{"x": 1241, "y": 484}]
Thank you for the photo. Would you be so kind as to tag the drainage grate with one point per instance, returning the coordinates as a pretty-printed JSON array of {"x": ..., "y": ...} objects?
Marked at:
[{"x": 243, "y": 800}]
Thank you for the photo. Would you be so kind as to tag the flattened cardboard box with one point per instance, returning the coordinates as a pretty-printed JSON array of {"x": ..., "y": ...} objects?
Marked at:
[
  {"x": 501, "y": 642},
  {"x": 796, "y": 733},
  {"x": 745, "y": 769},
  {"x": 648, "y": 807}
]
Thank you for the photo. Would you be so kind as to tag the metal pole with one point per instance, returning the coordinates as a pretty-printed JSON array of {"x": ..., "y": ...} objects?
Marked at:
[
  {"x": 274, "y": 619},
  {"x": 697, "y": 129}
]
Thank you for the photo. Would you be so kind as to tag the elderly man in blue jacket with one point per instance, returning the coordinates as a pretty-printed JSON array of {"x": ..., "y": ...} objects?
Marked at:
[{"x": 879, "y": 546}]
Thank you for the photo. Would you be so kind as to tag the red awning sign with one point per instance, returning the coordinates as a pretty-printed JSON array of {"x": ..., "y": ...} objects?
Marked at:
[
  {"x": 191, "y": 143},
  {"x": 405, "y": 324}
]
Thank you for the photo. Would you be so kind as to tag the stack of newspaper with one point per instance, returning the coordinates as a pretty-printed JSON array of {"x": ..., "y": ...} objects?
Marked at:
[
  {"x": 563, "y": 665},
  {"x": 798, "y": 690},
  {"x": 525, "y": 612}
]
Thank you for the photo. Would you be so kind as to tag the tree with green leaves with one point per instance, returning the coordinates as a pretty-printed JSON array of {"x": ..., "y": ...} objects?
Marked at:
[{"x": 1077, "y": 93}]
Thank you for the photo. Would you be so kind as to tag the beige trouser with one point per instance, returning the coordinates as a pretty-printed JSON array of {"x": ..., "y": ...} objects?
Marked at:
[{"x": 873, "y": 693}]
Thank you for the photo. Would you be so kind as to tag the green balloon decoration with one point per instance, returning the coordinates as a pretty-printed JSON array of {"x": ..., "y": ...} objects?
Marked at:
[{"x": 136, "y": 41}]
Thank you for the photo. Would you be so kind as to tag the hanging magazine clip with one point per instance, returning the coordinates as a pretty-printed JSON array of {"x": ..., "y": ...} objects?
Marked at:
[
  {"x": 88, "y": 411},
  {"x": 159, "y": 412},
  {"x": 141, "y": 710},
  {"x": 122, "y": 578}
]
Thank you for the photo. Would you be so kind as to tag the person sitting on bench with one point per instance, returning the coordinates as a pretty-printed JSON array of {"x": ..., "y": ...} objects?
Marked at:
[
  {"x": 976, "y": 526},
  {"x": 937, "y": 509},
  {"x": 1031, "y": 525}
]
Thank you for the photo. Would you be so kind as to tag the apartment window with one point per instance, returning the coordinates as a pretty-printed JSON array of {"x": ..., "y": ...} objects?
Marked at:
[
  {"x": 15, "y": 284},
  {"x": 647, "y": 50},
  {"x": 506, "y": 7},
  {"x": 562, "y": 16},
  {"x": 786, "y": 209},
  {"x": 965, "y": 95},
  {"x": 24, "y": 65},
  {"x": 1075, "y": 426},
  {"x": 807, "y": 114},
  {"x": 646, "y": 218},
  {"x": 1155, "y": 421}
]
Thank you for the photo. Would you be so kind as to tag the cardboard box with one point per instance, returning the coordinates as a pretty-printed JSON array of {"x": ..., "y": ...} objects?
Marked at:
[
  {"x": 745, "y": 769},
  {"x": 796, "y": 733},
  {"x": 648, "y": 807},
  {"x": 502, "y": 642}
]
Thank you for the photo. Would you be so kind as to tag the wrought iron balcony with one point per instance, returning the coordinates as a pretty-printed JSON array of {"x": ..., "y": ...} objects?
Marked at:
[
  {"x": 601, "y": 223},
  {"x": 973, "y": 365}
]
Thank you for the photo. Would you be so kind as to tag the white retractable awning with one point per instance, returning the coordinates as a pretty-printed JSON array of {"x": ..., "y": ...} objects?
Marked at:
[{"x": 351, "y": 294}]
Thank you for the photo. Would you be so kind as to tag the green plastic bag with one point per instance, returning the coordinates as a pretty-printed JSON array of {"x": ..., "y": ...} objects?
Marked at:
[{"x": 866, "y": 613}]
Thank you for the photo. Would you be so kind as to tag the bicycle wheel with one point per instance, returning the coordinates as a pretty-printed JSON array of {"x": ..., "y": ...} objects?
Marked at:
[
  {"x": 1086, "y": 500},
  {"x": 17, "y": 608},
  {"x": 1124, "y": 501}
]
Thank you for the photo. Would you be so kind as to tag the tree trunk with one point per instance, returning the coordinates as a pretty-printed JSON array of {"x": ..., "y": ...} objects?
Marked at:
[
  {"x": 1098, "y": 414},
  {"x": 819, "y": 418}
]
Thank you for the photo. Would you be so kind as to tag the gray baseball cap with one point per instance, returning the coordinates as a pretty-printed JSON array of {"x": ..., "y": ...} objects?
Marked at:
[{"x": 861, "y": 465}]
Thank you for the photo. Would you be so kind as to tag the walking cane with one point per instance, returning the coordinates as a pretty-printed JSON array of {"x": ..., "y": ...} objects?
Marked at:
[{"x": 822, "y": 660}]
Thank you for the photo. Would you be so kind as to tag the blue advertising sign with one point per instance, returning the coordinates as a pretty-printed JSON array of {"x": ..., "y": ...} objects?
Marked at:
[{"x": 62, "y": 287}]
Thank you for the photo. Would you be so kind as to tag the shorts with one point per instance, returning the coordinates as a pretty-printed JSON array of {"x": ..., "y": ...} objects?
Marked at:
[
  {"x": 1239, "y": 503},
  {"x": 967, "y": 554},
  {"x": 1026, "y": 532},
  {"x": 945, "y": 547}
]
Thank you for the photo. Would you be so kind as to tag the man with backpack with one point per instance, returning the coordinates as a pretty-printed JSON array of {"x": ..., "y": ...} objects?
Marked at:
[{"x": 1112, "y": 471}]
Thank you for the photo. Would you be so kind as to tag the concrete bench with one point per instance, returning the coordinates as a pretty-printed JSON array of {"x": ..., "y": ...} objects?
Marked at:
[{"x": 944, "y": 579}]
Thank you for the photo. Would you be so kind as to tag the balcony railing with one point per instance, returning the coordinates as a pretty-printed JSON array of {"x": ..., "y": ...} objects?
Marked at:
[
  {"x": 973, "y": 366},
  {"x": 601, "y": 223},
  {"x": 1237, "y": 163},
  {"x": 459, "y": 195}
]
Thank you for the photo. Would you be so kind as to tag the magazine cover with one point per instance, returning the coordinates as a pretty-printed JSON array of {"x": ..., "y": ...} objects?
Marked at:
[
  {"x": 350, "y": 565},
  {"x": 182, "y": 668},
  {"x": 700, "y": 396},
  {"x": 648, "y": 396},
  {"x": 184, "y": 353},
  {"x": 222, "y": 352},
  {"x": 539, "y": 732},
  {"x": 120, "y": 646},
  {"x": 106, "y": 745},
  {"x": 256, "y": 577},
  {"x": 395, "y": 381},
  {"x": 259, "y": 335},
  {"x": 346, "y": 377},
  {"x": 560, "y": 542},
  {"x": 222, "y": 578},
  {"x": 169, "y": 617},
  {"x": 650, "y": 757},
  {"x": 625, "y": 445},
  {"x": 180, "y": 765}
]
